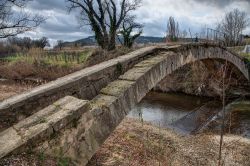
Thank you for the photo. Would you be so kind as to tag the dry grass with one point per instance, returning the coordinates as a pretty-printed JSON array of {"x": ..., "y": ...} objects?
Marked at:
[
  {"x": 10, "y": 88},
  {"x": 239, "y": 49},
  {"x": 40, "y": 66},
  {"x": 136, "y": 145},
  {"x": 49, "y": 66}
]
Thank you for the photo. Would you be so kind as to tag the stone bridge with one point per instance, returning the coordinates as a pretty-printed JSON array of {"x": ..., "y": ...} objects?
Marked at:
[{"x": 74, "y": 115}]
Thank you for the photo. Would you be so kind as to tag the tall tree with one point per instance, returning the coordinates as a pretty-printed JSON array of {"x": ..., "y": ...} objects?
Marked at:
[
  {"x": 104, "y": 17},
  {"x": 129, "y": 26},
  {"x": 42, "y": 42},
  {"x": 16, "y": 22},
  {"x": 173, "y": 31},
  {"x": 60, "y": 44},
  {"x": 233, "y": 25}
]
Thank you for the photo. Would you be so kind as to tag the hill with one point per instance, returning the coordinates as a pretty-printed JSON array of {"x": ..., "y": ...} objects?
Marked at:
[{"x": 89, "y": 41}]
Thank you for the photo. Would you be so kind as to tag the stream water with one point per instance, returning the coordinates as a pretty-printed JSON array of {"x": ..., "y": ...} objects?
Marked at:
[{"x": 190, "y": 114}]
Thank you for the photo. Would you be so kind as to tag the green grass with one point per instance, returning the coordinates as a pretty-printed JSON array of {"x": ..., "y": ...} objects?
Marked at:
[
  {"x": 247, "y": 41},
  {"x": 63, "y": 59},
  {"x": 238, "y": 50}
]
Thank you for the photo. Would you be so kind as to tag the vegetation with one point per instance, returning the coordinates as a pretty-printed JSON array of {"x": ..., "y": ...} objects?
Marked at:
[
  {"x": 16, "y": 22},
  {"x": 104, "y": 17},
  {"x": 232, "y": 27},
  {"x": 173, "y": 31},
  {"x": 135, "y": 144},
  {"x": 41, "y": 64},
  {"x": 239, "y": 50},
  {"x": 128, "y": 27},
  {"x": 52, "y": 64}
]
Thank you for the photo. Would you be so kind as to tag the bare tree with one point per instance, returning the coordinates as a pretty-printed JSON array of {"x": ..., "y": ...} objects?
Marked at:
[
  {"x": 233, "y": 25},
  {"x": 128, "y": 27},
  {"x": 203, "y": 31},
  {"x": 16, "y": 22},
  {"x": 183, "y": 34},
  {"x": 104, "y": 17},
  {"x": 42, "y": 42},
  {"x": 60, "y": 44},
  {"x": 173, "y": 31},
  {"x": 27, "y": 43}
]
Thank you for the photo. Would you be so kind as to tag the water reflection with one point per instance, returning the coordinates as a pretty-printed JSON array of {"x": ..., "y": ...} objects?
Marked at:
[
  {"x": 164, "y": 109},
  {"x": 189, "y": 114}
]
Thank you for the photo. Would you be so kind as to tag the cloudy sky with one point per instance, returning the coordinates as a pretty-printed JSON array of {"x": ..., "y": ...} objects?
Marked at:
[{"x": 153, "y": 14}]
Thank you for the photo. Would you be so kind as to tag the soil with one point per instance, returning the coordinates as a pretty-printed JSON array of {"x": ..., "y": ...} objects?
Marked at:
[{"x": 11, "y": 88}]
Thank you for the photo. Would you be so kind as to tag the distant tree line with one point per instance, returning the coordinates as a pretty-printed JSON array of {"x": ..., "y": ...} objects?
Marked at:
[{"x": 27, "y": 43}]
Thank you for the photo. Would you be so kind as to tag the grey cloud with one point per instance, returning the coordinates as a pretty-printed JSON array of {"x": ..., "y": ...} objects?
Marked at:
[
  {"x": 221, "y": 3},
  {"x": 62, "y": 25},
  {"x": 48, "y": 5}
]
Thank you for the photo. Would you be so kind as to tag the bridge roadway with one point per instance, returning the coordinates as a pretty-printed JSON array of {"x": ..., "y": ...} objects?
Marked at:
[{"x": 76, "y": 128}]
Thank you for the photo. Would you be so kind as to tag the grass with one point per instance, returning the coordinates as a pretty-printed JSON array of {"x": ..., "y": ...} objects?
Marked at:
[
  {"x": 41, "y": 64},
  {"x": 50, "y": 65},
  {"x": 238, "y": 50},
  {"x": 134, "y": 144},
  {"x": 49, "y": 57}
]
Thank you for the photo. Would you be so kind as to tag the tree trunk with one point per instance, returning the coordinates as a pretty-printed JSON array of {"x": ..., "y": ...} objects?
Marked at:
[{"x": 112, "y": 41}]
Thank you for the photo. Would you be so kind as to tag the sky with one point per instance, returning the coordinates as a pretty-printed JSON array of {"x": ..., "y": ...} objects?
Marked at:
[{"x": 153, "y": 14}]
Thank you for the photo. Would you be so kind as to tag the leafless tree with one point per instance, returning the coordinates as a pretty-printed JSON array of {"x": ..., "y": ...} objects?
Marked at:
[
  {"x": 60, "y": 44},
  {"x": 183, "y": 34},
  {"x": 23, "y": 43},
  {"x": 129, "y": 26},
  {"x": 203, "y": 31},
  {"x": 42, "y": 42},
  {"x": 16, "y": 22},
  {"x": 104, "y": 16},
  {"x": 173, "y": 31},
  {"x": 233, "y": 25},
  {"x": 224, "y": 82}
]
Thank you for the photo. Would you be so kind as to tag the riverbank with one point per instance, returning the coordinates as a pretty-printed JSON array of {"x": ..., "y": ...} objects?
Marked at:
[{"x": 142, "y": 145}]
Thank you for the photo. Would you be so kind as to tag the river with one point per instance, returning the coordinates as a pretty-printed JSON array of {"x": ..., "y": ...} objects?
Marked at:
[{"x": 191, "y": 114}]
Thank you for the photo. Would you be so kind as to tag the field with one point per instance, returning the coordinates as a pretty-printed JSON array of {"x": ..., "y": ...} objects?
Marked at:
[{"x": 25, "y": 70}]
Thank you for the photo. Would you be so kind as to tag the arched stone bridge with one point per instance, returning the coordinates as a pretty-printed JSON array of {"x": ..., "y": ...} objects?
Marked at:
[{"x": 76, "y": 127}]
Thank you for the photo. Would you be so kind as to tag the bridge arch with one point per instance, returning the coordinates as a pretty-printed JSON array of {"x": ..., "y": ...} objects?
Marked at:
[{"x": 186, "y": 54}]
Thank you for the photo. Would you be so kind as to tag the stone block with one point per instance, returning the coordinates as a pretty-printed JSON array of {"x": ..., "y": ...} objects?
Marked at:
[{"x": 41, "y": 125}]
